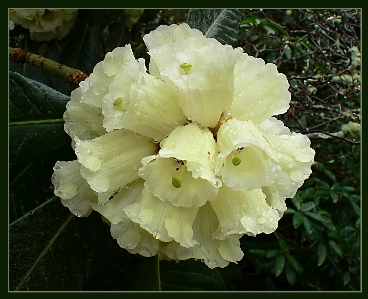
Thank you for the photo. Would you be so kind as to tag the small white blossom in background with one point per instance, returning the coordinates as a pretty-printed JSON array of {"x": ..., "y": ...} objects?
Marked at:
[
  {"x": 45, "y": 24},
  {"x": 185, "y": 159}
]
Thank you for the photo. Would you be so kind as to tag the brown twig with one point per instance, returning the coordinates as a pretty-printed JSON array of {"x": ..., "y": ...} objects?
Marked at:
[{"x": 70, "y": 75}]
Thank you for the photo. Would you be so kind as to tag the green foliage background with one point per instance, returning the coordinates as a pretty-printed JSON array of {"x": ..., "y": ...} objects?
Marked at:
[{"x": 317, "y": 244}]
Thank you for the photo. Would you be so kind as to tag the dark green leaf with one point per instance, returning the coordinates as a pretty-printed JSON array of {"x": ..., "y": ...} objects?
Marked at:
[
  {"x": 99, "y": 16},
  {"x": 322, "y": 184},
  {"x": 282, "y": 244},
  {"x": 307, "y": 206},
  {"x": 290, "y": 274},
  {"x": 272, "y": 253},
  {"x": 293, "y": 262},
  {"x": 31, "y": 185},
  {"x": 257, "y": 251},
  {"x": 146, "y": 276},
  {"x": 52, "y": 250},
  {"x": 221, "y": 24},
  {"x": 36, "y": 123},
  {"x": 330, "y": 175},
  {"x": 308, "y": 226},
  {"x": 326, "y": 221},
  {"x": 322, "y": 253},
  {"x": 334, "y": 197},
  {"x": 346, "y": 278},
  {"x": 347, "y": 188},
  {"x": 356, "y": 208},
  {"x": 335, "y": 248},
  {"x": 190, "y": 275},
  {"x": 280, "y": 265},
  {"x": 80, "y": 52},
  {"x": 308, "y": 194},
  {"x": 296, "y": 200},
  {"x": 119, "y": 37},
  {"x": 297, "y": 220}
]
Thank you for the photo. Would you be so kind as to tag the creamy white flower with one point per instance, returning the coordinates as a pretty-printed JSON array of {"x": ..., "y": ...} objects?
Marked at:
[
  {"x": 142, "y": 103},
  {"x": 243, "y": 212},
  {"x": 246, "y": 160},
  {"x": 213, "y": 252},
  {"x": 163, "y": 220},
  {"x": 184, "y": 160},
  {"x": 183, "y": 171},
  {"x": 45, "y": 24}
]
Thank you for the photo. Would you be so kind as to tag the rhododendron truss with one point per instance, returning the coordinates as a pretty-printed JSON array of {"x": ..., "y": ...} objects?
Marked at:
[{"x": 185, "y": 158}]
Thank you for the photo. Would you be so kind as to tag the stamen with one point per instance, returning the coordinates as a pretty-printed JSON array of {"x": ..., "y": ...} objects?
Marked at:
[
  {"x": 186, "y": 67},
  {"x": 176, "y": 181},
  {"x": 236, "y": 161},
  {"x": 119, "y": 102}
]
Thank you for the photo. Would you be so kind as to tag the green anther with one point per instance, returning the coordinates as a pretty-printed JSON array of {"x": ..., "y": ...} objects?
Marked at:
[
  {"x": 236, "y": 161},
  {"x": 186, "y": 67},
  {"x": 118, "y": 101},
  {"x": 176, "y": 182}
]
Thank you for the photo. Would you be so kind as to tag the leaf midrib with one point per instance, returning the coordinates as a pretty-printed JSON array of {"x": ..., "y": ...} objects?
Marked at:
[
  {"x": 35, "y": 122},
  {"x": 48, "y": 245}
]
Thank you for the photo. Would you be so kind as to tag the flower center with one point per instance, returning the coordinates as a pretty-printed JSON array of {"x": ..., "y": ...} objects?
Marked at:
[{"x": 223, "y": 119}]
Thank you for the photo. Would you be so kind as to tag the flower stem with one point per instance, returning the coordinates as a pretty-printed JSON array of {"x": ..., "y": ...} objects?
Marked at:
[{"x": 70, "y": 75}]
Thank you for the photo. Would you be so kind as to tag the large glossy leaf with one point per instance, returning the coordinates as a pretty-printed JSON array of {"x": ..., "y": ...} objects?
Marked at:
[
  {"x": 221, "y": 24},
  {"x": 52, "y": 250},
  {"x": 35, "y": 120},
  {"x": 146, "y": 275},
  {"x": 31, "y": 185},
  {"x": 80, "y": 52},
  {"x": 99, "y": 16},
  {"x": 119, "y": 36},
  {"x": 189, "y": 275}
]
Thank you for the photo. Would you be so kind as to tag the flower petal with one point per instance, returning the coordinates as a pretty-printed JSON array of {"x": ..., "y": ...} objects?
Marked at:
[
  {"x": 294, "y": 154},
  {"x": 96, "y": 86},
  {"x": 112, "y": 160},
  {"x": 164, "y": 221},
  {"x": 114, "y": 209},
  {"x": 148, "y": 106},
  {"x": 73, "y": 190},
  {"x": 81, "y": 120},
  {"x": 256, "y": 161},
  {"x": 164, "y": 35},
  {"x": 243, "y": 212},
  {"x": 196, "y": 146},
  {"x": 132, "y": 237},
  {"x": 260, "y": 91},
  {"x": 213, "y": 252}
]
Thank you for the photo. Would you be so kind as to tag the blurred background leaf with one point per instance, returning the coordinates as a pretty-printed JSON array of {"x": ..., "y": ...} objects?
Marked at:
[{"x": 221, "y": 24}]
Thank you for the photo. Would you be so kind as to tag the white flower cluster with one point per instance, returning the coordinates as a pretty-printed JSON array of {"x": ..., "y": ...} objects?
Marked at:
[
  {"x": 45, "y": 24},
  {"x": 184, "y": 160}
]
